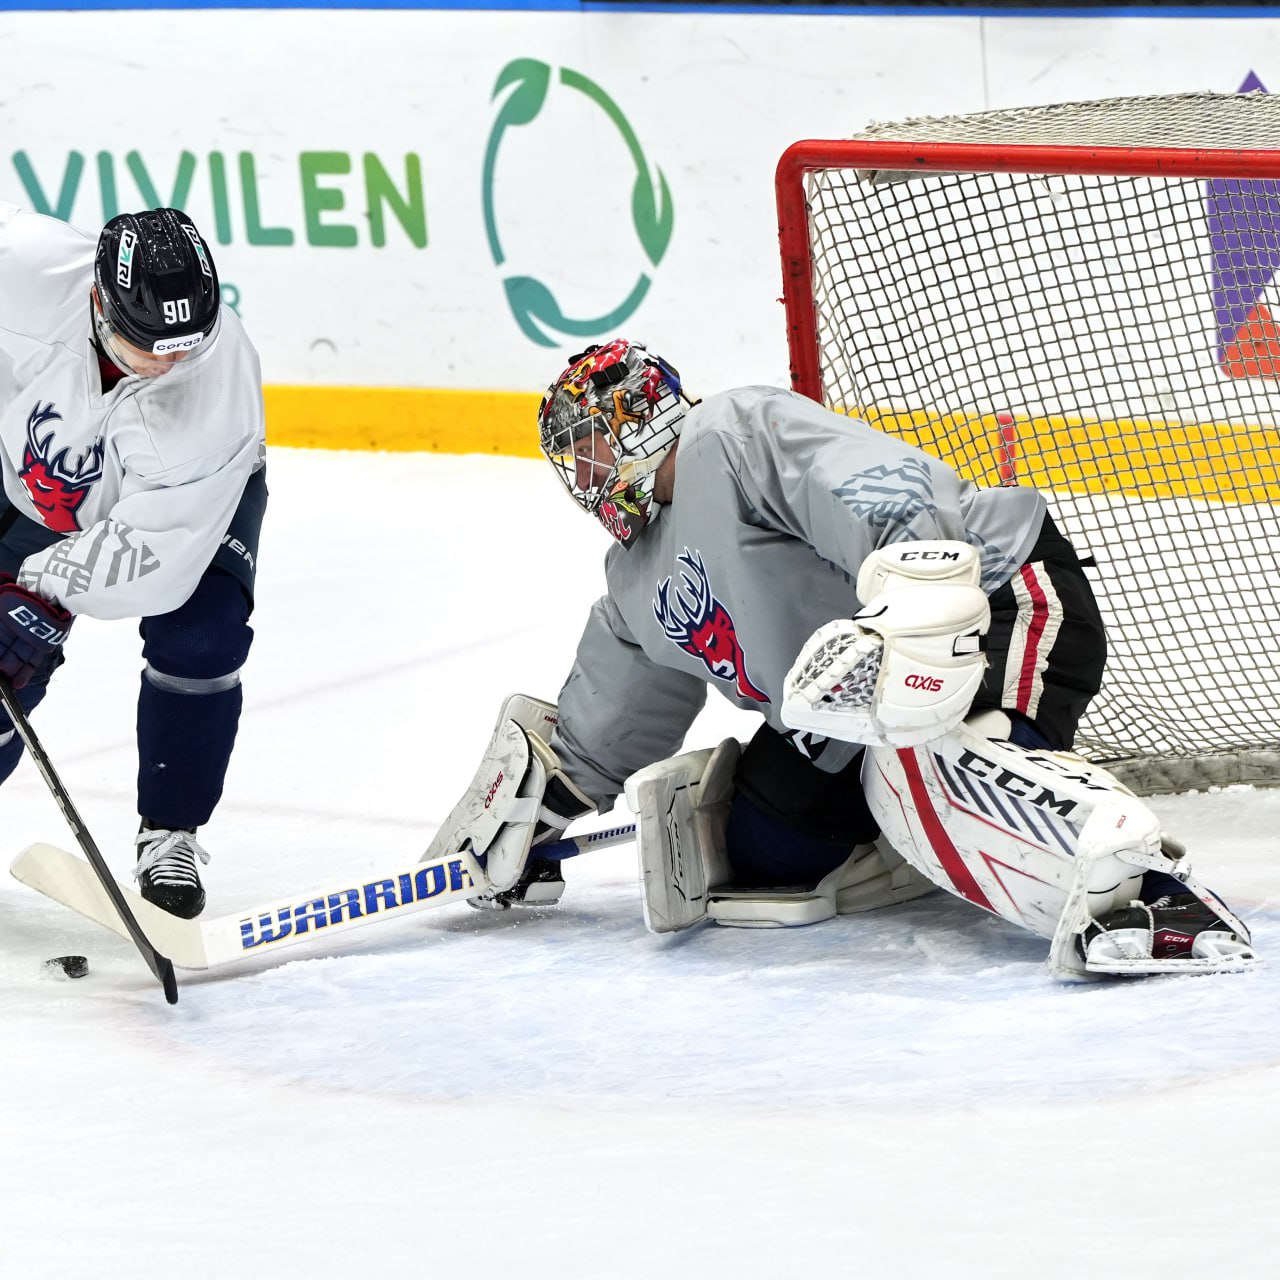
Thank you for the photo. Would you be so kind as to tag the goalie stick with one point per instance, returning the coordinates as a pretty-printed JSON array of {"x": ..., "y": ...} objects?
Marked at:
[
  {"x": 344, "y": 903},
  {"x": 115, "y": 905}
]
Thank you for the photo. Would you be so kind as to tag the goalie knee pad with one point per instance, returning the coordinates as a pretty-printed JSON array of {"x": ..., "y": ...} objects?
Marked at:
[{"x": 681, "y": 807}]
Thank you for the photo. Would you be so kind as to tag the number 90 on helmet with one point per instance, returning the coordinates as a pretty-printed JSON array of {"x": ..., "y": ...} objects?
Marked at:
[
  {"x": 606, "y": 424},
  {"x": 156, "y": 282}
]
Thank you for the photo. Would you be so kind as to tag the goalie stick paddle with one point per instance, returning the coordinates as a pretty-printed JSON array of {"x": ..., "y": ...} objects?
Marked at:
[
  {"x": 345, "y": 903},
  {"x": 125, "y": 920}
]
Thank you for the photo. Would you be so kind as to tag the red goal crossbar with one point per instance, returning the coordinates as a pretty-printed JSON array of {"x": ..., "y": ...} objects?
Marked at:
[{"x": 814, "y": 155}]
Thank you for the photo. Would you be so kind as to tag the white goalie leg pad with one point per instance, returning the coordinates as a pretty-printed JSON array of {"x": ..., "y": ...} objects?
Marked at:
[
  {"x": 681, "y": 807},
  {"x": 1043, "y": 839},
  {"x": 499, "y": 813},
  {"x": 905, "y": 669},
  {"x": 534, "y": 818}
]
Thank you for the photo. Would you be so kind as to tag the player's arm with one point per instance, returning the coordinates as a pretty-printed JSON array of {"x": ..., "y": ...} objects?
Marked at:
[
  {"x": 146, "y": 557},
  {"x": 619, "y": 711}
]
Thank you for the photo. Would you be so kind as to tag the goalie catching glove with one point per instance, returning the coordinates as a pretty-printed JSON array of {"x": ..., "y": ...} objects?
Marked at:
[
  {"x": 518, "y": 798},
  {"x": 905, "y": 669}
]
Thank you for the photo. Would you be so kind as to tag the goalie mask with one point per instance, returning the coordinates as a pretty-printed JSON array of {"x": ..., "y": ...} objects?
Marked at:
[
  {"x": 156, "y": 289},
  {"x": 606, "y": 424}
]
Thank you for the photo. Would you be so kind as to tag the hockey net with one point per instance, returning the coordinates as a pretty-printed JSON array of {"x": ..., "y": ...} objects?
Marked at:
[{"x": 1077, "y": 298}]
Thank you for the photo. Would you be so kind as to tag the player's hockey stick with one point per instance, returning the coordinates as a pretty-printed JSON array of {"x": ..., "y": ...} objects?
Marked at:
[
  {"x": 346, "y": 902},
  {"x": 121, "y": 916}
]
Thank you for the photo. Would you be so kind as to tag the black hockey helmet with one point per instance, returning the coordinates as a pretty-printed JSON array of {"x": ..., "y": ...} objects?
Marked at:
[{"x": 157, "y": 284}]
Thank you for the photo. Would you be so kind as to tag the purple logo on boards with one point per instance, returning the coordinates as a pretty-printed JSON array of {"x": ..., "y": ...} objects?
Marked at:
[{"x": 1244, "y": 230}]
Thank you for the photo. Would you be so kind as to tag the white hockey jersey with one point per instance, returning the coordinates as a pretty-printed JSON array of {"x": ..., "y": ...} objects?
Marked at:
[{"x": 141, "y": 480}]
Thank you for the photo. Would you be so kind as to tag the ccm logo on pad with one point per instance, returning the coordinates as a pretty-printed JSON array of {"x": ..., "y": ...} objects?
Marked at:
[{"x": 930, "y": 684}]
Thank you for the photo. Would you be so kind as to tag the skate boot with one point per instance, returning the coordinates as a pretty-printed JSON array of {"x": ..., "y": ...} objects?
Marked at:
[
  {"x": 168, "y": 873},
  {"x": 1176, "y": 927},
  {"x": 541, "y": 885}
]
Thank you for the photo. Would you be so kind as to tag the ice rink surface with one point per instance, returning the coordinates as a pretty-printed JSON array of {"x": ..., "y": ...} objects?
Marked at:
[{"x": 561, "y": 1094}]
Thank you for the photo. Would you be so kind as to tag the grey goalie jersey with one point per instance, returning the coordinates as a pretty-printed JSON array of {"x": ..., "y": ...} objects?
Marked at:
[
  {"x": 138, "y": 482},
  {"x": 777, "y": 503}
]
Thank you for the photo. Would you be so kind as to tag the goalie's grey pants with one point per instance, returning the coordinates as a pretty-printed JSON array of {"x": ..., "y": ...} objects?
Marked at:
[
  {"x": 791, "y": 823},
  {"x": 190, "y": 698}
]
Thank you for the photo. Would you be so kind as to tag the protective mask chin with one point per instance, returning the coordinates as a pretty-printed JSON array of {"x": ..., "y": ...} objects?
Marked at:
[
  {"x": 628, "y": 507},
  {"x": 625, "y": 512}
]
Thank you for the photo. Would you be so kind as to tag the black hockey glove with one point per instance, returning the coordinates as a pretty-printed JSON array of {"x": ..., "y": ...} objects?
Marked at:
[{"x": 31, "y": 628}]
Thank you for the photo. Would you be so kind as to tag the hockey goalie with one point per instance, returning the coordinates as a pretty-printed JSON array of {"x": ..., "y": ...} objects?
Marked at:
[{"x": 920, "y": 650}]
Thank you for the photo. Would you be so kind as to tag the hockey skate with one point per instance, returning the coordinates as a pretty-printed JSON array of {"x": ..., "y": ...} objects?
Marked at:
[
  {"x": 168, "y": 872},
  {"x": 540, "y": 885},
  {"x": 1177, "y": 927}
]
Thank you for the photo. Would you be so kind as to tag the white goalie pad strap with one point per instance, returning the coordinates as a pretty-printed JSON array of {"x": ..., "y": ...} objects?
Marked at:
[
  {"x": 879, "y": 878},
  {"x": 906, "y": 668},
  {"x": 872, "y": 876},
  {"x": 681, "y": 807},
  {"x": 529, "y": 816},
  {"x": 771, "y": 908},
  {"x": 505, "y": 858}
]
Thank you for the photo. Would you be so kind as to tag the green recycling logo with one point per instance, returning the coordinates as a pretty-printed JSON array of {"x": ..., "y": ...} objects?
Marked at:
[{"x": 532, "y": 303}]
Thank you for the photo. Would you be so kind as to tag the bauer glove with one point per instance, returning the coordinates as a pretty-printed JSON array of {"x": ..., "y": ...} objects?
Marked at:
[{"x": 31, "y": 629}]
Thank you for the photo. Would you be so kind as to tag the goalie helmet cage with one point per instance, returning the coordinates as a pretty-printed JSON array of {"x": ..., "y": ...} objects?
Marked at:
[{"x": 1075, "y": 297}]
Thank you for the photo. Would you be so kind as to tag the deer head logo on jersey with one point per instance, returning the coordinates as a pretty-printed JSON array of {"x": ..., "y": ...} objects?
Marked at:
[
  {"x": 699, "y": 624},
  {"x": 57, "y": 489}
]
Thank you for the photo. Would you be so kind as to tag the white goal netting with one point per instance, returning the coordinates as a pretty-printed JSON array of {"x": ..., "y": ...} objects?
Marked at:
[{"x": 1105, "y": 326}]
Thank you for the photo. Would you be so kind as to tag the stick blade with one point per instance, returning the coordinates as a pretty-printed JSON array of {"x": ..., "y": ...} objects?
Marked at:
[{"x": 71, "y": 881}]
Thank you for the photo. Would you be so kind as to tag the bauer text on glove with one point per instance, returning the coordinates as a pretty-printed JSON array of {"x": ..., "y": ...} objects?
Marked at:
[{"x": 31, "y": 628}]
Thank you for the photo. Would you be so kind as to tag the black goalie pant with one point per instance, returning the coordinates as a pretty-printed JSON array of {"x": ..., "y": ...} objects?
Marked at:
[
  {"x": 1047, "y": 647},
  {"x": 791, "y": 823}
]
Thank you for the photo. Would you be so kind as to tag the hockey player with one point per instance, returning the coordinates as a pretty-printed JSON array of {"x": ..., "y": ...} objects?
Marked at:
[
  {"x": 132, "y": 452},
  {"x": 788, "y": 556}
]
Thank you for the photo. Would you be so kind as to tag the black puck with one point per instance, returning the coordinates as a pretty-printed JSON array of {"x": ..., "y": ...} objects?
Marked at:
[{"x": 72, "y": 966}]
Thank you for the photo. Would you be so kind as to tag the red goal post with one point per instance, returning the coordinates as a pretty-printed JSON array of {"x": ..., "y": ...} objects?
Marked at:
[{"x": 1078, "y": 297}]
